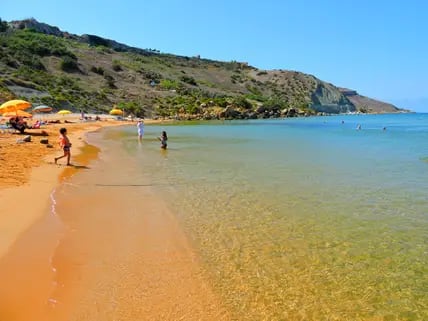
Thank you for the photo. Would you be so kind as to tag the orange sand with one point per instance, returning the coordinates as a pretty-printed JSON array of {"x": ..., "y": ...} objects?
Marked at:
[
  {"x": 27, "y": 175},
  {"x": 159, "y": 278}
]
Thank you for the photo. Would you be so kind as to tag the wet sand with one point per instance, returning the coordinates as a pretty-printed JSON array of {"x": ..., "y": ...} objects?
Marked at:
[
  {"x": 92, "y": 262},
  {"x": 136, "y": 263}
]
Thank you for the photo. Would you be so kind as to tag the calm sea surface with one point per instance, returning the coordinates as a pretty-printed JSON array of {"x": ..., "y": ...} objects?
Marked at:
[{"x": 294, "y": 219}]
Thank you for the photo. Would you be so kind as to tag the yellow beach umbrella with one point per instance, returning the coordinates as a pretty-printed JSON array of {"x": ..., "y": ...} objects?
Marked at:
[
  {"x": 64, "y": 112},
  {"x": 116, "y": 112},
  {"x": 14, "y": 105},
  {"x": 20, "y": 113}
]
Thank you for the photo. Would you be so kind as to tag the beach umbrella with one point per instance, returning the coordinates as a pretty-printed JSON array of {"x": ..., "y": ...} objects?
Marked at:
[
  {"x": 19, "y": 113},
  {"x": 14, "y": 105},
  {"x": 42, "y": 109},
  {"x": 116, "y": 111},
  {"x": 64, "y": 112}
]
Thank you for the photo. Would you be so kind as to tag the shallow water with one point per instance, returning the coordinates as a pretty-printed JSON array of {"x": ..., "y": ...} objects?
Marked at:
[{"x": 294, "y": 219}]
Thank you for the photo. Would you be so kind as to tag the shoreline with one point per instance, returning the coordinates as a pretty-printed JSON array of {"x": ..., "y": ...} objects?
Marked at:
[
  {"x": 40, "y": 249},
  {"x": 31, "y": 231},
  {"x": 26, "y": 188}
]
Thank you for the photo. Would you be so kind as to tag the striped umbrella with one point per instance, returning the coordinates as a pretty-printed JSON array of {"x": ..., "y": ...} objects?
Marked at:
[{"x": 42, "y": 109}]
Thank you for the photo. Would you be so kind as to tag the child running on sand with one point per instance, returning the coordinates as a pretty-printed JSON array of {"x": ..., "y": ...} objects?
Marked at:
[
  {"x": 163, "y": 139},
  {"x": 65, "y": 144}
]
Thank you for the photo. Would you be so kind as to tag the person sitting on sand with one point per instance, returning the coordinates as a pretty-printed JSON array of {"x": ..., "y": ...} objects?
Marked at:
[
  {"x": 65, "y": 144},
  {"x": 163, "y": 139},
  {"x": 18, "y": 123}
]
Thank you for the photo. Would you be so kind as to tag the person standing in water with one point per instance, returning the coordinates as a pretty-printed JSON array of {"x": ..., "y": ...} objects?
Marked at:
[
  {"x": 163, "y": 139},
  {"x": 140, "y": 128}
]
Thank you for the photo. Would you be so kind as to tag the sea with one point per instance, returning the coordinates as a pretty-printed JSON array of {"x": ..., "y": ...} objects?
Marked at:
[{"x": 317, "y": 218}]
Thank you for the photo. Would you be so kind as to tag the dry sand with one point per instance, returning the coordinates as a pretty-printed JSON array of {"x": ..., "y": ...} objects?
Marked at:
[{"x": 164, "y": 280}]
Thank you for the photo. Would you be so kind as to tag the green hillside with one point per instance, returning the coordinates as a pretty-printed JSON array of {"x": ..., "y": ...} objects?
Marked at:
[{"x": 44, "y": 65}]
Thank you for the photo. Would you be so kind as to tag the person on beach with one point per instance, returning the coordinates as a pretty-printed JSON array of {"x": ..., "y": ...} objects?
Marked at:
[
  {"x": 140, "y": 128},
  {"x": 65, "y": 144},
  {"x": 163, "y": 139}
]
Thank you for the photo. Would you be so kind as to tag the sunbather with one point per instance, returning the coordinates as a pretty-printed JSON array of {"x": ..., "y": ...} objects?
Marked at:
[{"x": 36, "y": 125}]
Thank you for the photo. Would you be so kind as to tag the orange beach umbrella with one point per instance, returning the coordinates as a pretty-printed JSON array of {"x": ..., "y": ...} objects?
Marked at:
[
  {"x": 14, "y": 105},
  {"x": 20, "y": 113}
]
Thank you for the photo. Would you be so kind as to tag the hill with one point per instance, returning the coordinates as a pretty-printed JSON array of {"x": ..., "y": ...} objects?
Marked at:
[{"x": 45, "y": 65}]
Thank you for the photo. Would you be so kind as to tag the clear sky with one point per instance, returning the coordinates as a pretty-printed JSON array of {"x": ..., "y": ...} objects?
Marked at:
[{"x": 377, "y": 47}]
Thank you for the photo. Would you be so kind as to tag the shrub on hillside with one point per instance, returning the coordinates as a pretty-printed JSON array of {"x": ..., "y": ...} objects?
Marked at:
[
  {"x": 151, "y": 75},
  {"x": 274, "y": 103},
  {"x": 38, "y": 43},
  {"x": 242, "y": 102},
  {"x": 169, "y": 84},
  {"x": 69, "y": 64},
  {"x": 97, "y": 70},
  {"x": 116, "y": 65},
  {"x": 34, "y": 62},
  {"x": 132, "y": 107},
  {"x": 189, "y": 80},
  {"x": 257, "y": 97},
  {"x": 110, "y": 81},
  {"x": 236, "y": 78},
  {"x": 97, "y": 41},
  {"x": 220, "y": 101},
  {"x": 3, "y": 25}
]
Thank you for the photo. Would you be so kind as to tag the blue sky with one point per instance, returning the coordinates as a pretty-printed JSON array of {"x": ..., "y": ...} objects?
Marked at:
[{"x": 376, "y": 47}]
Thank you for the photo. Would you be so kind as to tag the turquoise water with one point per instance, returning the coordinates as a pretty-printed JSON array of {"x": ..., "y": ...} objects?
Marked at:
[{"x": 296, "y": 219}]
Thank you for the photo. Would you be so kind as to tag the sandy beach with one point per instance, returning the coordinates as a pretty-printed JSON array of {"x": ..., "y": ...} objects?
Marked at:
[
  {"x": 27, "y": 173},
  {"x": 165, "y": 278}
]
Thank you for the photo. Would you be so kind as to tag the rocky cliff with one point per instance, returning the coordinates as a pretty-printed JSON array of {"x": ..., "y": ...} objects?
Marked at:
[{"x": 368, "y": 105}]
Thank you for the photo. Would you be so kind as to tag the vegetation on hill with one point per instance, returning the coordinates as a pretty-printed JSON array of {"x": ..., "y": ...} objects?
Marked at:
[{"x": 44, "y": 65}]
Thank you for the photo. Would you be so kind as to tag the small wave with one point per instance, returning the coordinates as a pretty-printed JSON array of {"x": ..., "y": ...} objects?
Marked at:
[
  {"x": 51, "y": 300},
  {"x": 53, "y": 202}
]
